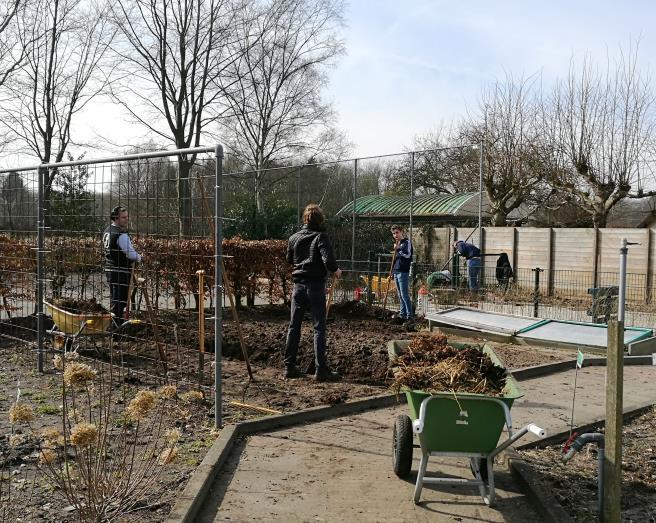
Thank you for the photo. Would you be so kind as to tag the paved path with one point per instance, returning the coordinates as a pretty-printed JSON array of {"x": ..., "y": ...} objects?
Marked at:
[{"x": 341, "y": 470}]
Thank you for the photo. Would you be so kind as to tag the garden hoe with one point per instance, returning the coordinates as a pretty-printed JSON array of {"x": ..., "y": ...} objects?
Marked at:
[{"x": 389, "y": 278}]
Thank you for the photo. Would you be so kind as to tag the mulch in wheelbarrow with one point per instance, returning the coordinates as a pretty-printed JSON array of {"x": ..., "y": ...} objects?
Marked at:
[
  {"x": 80, "y": 306},
  {"x": 431, "y": 365}
]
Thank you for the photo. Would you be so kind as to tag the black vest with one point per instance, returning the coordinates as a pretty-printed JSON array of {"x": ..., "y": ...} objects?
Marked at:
[{"x": 115, "y": 258}]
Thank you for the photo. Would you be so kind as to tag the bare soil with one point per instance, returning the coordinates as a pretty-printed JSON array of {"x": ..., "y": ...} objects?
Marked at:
[
  {"x": 574, "y": 484},
  {"x": 357, "y": 338}
]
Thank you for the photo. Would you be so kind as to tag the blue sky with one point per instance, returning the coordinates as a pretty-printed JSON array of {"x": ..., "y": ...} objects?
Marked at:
[{"x": 416, "y": 64}]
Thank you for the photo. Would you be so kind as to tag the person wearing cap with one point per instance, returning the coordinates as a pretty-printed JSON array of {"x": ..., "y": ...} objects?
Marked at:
[
  {"x": 472, "y": 254},
  {"x": 120, "y": 256}
]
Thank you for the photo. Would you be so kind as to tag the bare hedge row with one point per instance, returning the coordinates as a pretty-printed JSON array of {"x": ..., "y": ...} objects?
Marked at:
[{"x": 253, "y": 267}]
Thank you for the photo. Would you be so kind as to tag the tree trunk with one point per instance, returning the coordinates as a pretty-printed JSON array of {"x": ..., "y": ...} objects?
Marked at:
[
  {"x": 184, "y": 198},
  {"x": 499, "y": 219}
]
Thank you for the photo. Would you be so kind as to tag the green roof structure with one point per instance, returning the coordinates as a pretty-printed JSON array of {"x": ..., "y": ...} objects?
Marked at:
[{"x": 449, "y": 208}]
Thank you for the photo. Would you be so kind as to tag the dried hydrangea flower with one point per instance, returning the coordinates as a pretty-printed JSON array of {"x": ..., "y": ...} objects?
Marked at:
[
  {"x": 193, "y": 396},
  {"x": 168, "y": 392},
  {"x": 171, "y": 437},
  {"x": 17, "y": 439},
  {"x": 141, "y": 405},
  {"x": 167, "y": 456},
  {"x": 47, "y": 457},
  {"x": 20, "y": 413},
  {"x": 83, "y": 434},
  {"x": 78, "y": 375}
]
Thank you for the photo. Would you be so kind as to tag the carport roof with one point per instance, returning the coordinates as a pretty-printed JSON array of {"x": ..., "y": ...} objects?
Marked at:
[{"x": 463, "y": 205}]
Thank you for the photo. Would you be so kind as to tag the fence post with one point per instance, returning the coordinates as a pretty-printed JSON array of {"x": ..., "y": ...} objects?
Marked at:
[
  {"x": 355, "y": 197},
  {"x": 40, "y": 269},
  {"x": 536, "y": 291},
  {"x": 370, "y": 278},
  {"x": 218, "y": 278},
  {"x": 649, "y": 277},
  {"x": 550, "y": 260}
]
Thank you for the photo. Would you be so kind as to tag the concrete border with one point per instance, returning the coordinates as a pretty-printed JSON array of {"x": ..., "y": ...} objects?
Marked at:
[
  {"x": 193, "y": 496},
  {"x": 540, "y": 496}
]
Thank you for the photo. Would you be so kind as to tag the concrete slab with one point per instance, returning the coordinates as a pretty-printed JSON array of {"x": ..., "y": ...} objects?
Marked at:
[
  {"x": 482, "y": 320},
  {"x": 578, "y": 334}
]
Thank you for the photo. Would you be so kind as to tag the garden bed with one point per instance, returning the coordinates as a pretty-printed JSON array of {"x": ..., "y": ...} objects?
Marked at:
[
  {"x": 574, "y": 484},
  {"x": 357, "y": 338}
]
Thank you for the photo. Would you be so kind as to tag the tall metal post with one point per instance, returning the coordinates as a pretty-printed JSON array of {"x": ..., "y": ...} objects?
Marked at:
[
  {"x": 413, "y": 266},
  {"x": 40, "y": 269},
  {"x": 412, "y": 191},
  {"x": 218, "y": 286},
  {"x": 480, "y": 191},
  {"x": 355, "y": 197},
  {"x": 298, "y": 197},
  {"x": 622, "y": 291}
]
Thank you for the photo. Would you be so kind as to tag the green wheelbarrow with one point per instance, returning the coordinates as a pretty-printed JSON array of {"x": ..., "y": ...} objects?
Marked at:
[{"x": 456, "y": 425}]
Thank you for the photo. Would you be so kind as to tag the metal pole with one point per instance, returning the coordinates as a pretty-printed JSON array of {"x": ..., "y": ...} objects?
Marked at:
[
  {"x": 622, "y": 291},
  {"x": 480, "y": 190},
  {"x": 412, "y": 192},
  {"x": 298, "y": 197},
  {"x": 40, "y": 272},
  {"x": 218, "y": 278},
  {"x": 355, "y": 197},
  {"x": 536, "y": 291}
]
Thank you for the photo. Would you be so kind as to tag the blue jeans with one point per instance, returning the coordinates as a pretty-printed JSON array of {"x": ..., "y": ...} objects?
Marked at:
[
  {"x": 473, "y": 273},
  {"x": 401, "y": 280},
  {"x": 310, "y": 295}
]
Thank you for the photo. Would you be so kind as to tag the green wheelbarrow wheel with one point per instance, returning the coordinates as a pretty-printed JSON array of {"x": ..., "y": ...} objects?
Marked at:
[{"x": 402, "y": 446}]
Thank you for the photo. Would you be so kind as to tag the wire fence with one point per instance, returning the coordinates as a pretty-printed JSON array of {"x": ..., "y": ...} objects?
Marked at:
[{"x": 51, "y": 255}]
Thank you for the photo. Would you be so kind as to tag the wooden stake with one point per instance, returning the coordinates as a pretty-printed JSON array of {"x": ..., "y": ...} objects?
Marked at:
[
  {"x": 201, "y": 325},
  {"x": 389, "y": 278},
  {"x": 613, "y": 451},
  {"x": 126, "y": 312},
  {"x": 235, "y": 316},
  {"x": 333, "y": 283},
  {"x": 151, "y": 318},
  {"x": 226, "y": 285},
  {"x": 254, "y": 407}
]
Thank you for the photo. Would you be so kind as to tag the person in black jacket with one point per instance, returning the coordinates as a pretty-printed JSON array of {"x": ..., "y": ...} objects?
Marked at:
[
  {"x": 311, "y": 253},
  {"x": 119, "y": 258}
]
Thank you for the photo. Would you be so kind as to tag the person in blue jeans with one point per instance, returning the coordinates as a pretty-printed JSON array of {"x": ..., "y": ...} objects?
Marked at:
[
  {"x": 401, "y": 271},
  {"x": 472, "y": 254},
  {"x": 311, "y": 253}
]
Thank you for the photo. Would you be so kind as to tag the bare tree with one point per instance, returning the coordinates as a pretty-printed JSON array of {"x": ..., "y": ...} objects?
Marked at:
[
  {"x": 64, "y": 47},
  {"x": 513, "y": 164},
  {"x": 598, "y": 125},
  {"x": 172, "y": 55},
  {"x": 274, "y": 95},
  {"x": 11, "y": 53}
]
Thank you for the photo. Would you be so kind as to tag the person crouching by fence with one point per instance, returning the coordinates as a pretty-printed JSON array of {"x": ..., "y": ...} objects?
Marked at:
[
  {"x": 311, "y": 253},
  {"x": 472, "y": 254},
  {"x": 120, "y": 256}
]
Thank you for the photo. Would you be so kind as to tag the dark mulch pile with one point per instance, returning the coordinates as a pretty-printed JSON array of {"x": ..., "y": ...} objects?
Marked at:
[{"x": 80, "y": 306}]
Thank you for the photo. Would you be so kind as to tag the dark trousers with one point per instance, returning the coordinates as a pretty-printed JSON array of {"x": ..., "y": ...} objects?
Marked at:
[
  {"x": 311, "y": 296},
  {"x": 119, "y": 283}
]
